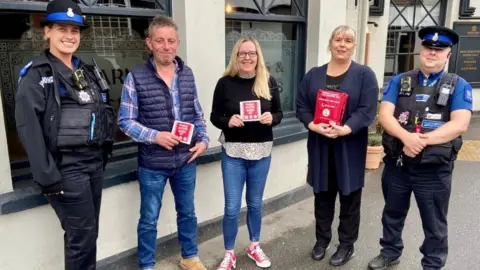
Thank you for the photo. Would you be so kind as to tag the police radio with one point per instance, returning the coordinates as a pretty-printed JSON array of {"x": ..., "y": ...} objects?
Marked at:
[
  {"x": 104, "y": 87},
  {"x": 444, "y": 95},
  {"x": 445, "y": 92}
]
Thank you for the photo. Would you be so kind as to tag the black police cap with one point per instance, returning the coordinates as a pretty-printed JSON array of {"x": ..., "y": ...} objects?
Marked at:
[
  {"x": 438, "y": 37},
  {"x": 65, "y": 12}
]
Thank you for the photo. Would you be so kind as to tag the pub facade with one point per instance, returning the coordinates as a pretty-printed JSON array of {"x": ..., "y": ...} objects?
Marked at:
[{"x": 293, "y": 35}]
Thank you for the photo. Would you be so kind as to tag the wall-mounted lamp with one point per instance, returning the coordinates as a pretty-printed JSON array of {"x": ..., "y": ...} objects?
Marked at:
[{"x": 228, "y": 8}]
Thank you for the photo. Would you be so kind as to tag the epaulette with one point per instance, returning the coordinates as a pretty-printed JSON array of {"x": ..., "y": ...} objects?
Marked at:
[{"x": 24, "y": 70}]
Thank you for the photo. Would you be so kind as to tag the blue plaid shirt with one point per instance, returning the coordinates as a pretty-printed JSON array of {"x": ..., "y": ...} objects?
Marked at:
[{"x": 128, "y": 112}]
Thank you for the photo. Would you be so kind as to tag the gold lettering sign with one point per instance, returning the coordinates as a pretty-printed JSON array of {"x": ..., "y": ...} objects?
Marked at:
[{"x": 473, "y": 31}]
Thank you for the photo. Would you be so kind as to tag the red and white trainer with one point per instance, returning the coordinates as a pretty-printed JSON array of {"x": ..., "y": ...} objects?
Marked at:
[
  {"x": 228, "y": 262},
  {"x": 256, "y": 253}
]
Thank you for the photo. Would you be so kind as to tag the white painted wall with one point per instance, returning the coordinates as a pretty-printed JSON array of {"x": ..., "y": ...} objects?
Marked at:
[
  {"x": 475, "y": 3},
  {"x": 6, "y": 179},
  {"x": 378, "y": 42},
  {"x": 352, "y": 20},
  {"x": 356, "y": 17},
  {"x": 452, "y": 13},
  {"x": 203, "y": 42},
  {"x": 33, "y": 239},
  {"x": 323, "y": 17}
]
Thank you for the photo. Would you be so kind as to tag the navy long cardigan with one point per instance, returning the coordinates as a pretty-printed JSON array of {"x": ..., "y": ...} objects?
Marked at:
[{"x": 350, "y": 151}]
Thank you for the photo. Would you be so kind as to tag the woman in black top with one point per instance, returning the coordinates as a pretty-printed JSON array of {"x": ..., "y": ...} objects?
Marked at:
[
  {"x": 337, "y": 153},
  {"x": 247, "y": 141}
]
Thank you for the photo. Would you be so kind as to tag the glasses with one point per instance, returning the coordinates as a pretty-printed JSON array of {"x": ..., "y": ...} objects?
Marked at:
[{"x": 244, "y": 54}]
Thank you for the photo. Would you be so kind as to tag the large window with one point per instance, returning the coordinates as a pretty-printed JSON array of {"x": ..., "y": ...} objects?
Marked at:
[
  {"x": 279, "y": 26},
  {"x": 407, "y": 17},
  {"x": 116, "y": 42},
  {"x": 279, "y": 46}
]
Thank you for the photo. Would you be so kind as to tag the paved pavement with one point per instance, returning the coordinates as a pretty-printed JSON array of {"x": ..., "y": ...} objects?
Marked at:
[
  {"x": 471, "y": 146},
  {"x": 289, "y": 235}
]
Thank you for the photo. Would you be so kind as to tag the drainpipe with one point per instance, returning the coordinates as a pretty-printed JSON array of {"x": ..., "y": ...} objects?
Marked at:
[{"x": 362, "y": 27}]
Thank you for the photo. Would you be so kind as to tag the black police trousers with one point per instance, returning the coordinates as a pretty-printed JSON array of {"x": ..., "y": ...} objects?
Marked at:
[
  {"x": 78, "y": 209},
  {"x": 431, "y": 186}
]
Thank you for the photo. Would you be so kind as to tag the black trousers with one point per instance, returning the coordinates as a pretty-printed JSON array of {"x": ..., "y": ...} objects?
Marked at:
[
  {"x": 78, "y": 209},
  {"x": 349, "y": 214},
  {"x": 431, "y": 187}
]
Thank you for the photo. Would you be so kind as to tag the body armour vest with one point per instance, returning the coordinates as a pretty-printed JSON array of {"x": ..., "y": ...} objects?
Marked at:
[
  {"x": 155, "y": 111},
  {"x": 423, "y": 109},
  {"x": 85, "y": 120}
]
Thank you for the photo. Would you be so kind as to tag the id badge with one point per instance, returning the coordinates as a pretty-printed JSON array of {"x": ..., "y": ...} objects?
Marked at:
[{"x": 84, "y": 97}]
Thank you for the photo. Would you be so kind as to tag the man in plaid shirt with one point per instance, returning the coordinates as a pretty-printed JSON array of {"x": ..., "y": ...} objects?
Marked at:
[{"x": 155, "y": 95}]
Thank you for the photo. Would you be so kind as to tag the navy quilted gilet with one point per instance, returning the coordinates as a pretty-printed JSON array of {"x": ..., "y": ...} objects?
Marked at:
[{"x": 155, "y": 112}]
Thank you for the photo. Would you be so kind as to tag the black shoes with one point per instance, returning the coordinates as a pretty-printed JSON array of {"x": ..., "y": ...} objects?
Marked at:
[
  {"x": 318, "y": 252},
  {"x": 381, "y": 263},
  {"x": 342, "y": 256}
]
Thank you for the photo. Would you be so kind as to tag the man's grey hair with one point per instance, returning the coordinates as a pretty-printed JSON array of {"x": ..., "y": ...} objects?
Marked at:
[{"x": 161, "y": 21}]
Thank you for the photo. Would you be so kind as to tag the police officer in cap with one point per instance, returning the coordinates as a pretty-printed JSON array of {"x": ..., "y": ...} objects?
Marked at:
[
  {"x": 424, "y": 113},
  {"x": 66, "y": 127}
]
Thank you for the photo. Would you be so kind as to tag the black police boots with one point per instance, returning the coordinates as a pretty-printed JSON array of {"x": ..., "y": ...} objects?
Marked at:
[
  {"x": 381, "y": 263},
  {"x": 342, "y": 256},
  {"x": 318, "y": 252}
]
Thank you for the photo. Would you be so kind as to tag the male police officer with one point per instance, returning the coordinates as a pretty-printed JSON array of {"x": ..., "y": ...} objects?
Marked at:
[
  {"x": 424, "y": 112},
  {"x": 66, "y": 128}
]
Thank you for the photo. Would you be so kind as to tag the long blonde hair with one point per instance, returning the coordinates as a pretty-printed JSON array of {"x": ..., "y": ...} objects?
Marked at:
[{"x": 260, "y": 87}]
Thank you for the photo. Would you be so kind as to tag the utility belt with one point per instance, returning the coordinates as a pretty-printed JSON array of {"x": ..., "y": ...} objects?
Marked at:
[{"x": 432, "y": 154}]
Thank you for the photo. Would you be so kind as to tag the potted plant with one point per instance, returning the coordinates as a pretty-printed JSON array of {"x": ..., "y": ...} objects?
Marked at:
[{"x": 375, "y": 148}]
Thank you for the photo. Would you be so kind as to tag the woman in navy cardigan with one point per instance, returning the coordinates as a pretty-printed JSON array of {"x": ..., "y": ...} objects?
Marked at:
[{"x": 337, "y": 154}]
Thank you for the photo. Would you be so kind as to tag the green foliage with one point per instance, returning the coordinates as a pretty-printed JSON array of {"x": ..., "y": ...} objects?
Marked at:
[
  {"x": 374, "y": 139},
  {"x": 378, "y": 127}
]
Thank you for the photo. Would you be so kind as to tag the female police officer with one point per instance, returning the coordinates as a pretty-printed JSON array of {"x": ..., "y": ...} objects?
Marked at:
[
  {"x": 66, "y": 129},
  {"x": 424, "y": 112}
]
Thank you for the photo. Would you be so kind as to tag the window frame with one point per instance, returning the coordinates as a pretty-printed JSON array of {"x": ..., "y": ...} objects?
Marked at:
[
  {"x": 466, "y": 11},
  {"x": 122, "y": 150},
  {"x": 301, "y": 37},
  {"x": 122, "y": 167},
  {"x": 377, "y": 8},
  {"x": 411, "y": 29}
]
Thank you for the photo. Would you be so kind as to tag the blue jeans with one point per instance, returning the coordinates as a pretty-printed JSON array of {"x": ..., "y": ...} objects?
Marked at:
[
  {"x": 152, "y": 184},
  {"x": 236, "y": 172}
]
